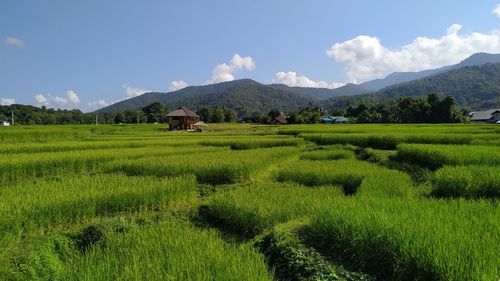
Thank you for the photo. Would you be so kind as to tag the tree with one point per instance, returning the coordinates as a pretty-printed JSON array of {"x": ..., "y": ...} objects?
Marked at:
[
  {"x": 218, "y": 115},
  {"x": 155, "y": 112},
  {"x": 120, "y": 118},
  {"x": 205, "y": 113},
  {"x": 275, "y": 112},
  {"x": 229, "y": 115}
]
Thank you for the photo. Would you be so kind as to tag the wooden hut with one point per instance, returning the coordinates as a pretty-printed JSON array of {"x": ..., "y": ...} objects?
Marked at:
[{"x": 182, "y": 119}]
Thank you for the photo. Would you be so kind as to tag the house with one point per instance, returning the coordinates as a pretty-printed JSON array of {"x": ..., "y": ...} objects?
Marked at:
[
  {"x": 490, "y": 116},
  {"x": 279, "y": 120},
  {"x": 182, "y": 119},
  {"x": 334, "y": 120},
  {"x": 4, "y": 123}
]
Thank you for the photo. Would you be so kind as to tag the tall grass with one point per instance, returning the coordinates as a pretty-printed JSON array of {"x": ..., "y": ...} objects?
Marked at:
[
  {"x": 168, "y": 251},
  {"x": 327, "y": 153},
  {"x": 211, "y": 167},
  {"x": 467, "y": 181},
  {"x": 28, "y": 165},
  {"x": 370, "y": 179},
  {"x": 247, "y": 143},
  {"x": 253, "y": 208},
  {"x": 384, "y": 140},
  {"x": 143, "y": 249},
  {"x": 405, "y": 239},
  {"x": 44, "y": 203},
  {"x": 436, "y": 156},
  {"x": 397, "y": 238}
]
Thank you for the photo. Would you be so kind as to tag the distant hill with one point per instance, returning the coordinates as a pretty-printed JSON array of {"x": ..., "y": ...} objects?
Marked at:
[
  {"x": 324, "y": 93},
  {"x": 403, "y": 77},
  {"x": 473, "y": 87},
  {"x": 477, "y": 87},
  {"x": 244, "y": 96}
]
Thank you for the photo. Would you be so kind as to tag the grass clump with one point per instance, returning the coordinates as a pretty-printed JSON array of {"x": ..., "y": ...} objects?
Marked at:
[
  {"x": 209, "y": 168},
  {"x": 436, "y": 156},
  {"x": 291, "y": 259},
  {"x": 352, "y": 175},
  {"x": 327, "y": 153},
  {"x": 241, "y": 212},
  {"x": 242, "y": 144},
  {"x": 68, "y": 199},
  {"x": 467, "y": 181},
  {"x": 168, "y": 250},
  {"x": 407, "y": 239}
]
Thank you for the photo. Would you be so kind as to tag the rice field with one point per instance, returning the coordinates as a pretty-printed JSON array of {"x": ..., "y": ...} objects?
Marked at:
[{"x": 250, "y": 202}]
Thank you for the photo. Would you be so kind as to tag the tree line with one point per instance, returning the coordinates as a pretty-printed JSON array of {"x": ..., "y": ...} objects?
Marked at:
[{"x": 431, "y": 108}]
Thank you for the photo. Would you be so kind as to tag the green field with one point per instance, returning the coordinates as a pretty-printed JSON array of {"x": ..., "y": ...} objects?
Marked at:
[{"x": 250, "y": 202}]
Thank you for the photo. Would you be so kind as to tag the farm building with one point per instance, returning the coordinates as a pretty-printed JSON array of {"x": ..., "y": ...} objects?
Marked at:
[
  {"x": 4, "y": 123},
  {"x": 182, "y": 119},
  {"x": 279, "y": 120},
  {"x": 334, "y": 120},
  {"x": 490, "y": 116}
]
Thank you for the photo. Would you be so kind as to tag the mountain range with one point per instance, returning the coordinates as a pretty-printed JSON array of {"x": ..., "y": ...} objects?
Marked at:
[{"x": 474, "y": 82}]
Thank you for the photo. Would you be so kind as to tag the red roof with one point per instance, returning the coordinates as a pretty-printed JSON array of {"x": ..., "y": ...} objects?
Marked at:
[
  {"x": 182, "y": 112},
  {"x": 281, "y": 119}
]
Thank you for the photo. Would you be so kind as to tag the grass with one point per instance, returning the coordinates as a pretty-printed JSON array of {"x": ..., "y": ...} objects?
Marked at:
[
  {"x": 397, "y": 238},
  {"x": 436, "y": 156},
  {"x": 59, "y": 200},
  {"x": 327, "y": 153},
  {"x": 293, "y": 260},
  {"x": 241, "y": 144},
  {"x": 467, "y": 181},
  {"x": 352, "y": 175},
  {"x": 404, "y": 239},
  {"x": 209, "y": 168},
  {"x": 168, "y": 250},
  {"x": 250, "y": 202},
  {"x": 29, "y": 165},
  {"x": 164, "y": 248}
]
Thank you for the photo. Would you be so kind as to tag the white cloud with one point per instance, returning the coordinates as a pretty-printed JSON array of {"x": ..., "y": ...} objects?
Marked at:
[
  {"x": 239, "y": 62},
  {"x": 41, "y": 99},
  {"x": 97, "y": 104},
  {"x": 13, "y": 41},
  {"x": 496, "y": 11},
  {"x": 59, "y": 101},
  {"x": 291, "y": 79},
  {"x": 132, "y": 91},
  {"x": 73, "y": 97},
  {"x": 366, "y": 58},
  {"x": 177, "y": 85},
  {"x": 225, "y": 72},
  {"x": 7, "y": 101}
]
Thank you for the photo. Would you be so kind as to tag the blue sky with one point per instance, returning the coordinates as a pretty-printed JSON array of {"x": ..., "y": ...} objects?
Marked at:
[{"x": 86, "y": 54}]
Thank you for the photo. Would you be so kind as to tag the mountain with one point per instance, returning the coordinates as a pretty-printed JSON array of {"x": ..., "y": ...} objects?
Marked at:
[
  {"x": 243, "y": 96},
  {"x": 247, "y": 96},
  {"x": 402, "y": 77},
  {"x": 324, "y": 93},
  {"x": 477, "y": 87}
]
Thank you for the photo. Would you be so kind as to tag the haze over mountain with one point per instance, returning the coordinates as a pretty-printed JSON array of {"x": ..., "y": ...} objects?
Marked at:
[
  {"x": 402, "y": 77},
  {"x": 477, "y": 87}
]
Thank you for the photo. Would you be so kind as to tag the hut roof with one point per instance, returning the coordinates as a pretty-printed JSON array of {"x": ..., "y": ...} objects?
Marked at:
[
  {"x": 182, "y": 112},
  {"x": 200, "y": 123}
]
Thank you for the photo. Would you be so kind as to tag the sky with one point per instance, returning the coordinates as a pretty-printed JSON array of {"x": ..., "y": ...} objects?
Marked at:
[{"x": 89, "y": 54}]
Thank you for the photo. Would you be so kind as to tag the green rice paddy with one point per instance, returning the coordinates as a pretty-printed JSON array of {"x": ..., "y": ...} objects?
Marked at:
[{"x": 250, "y": 202}]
